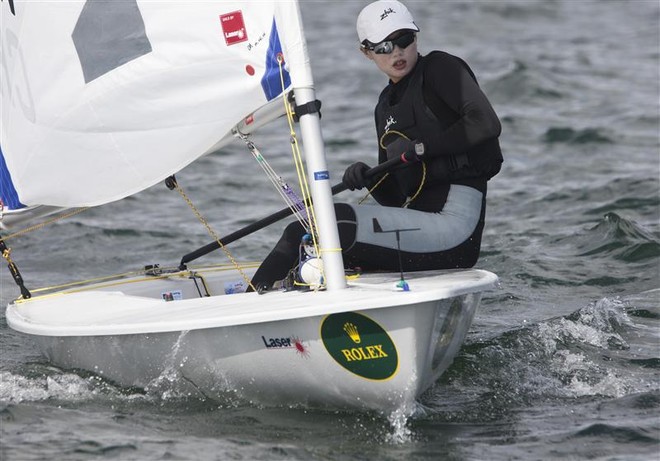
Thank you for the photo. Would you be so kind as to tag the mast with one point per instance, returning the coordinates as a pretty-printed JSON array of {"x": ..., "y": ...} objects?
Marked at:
[
  {"x": 319, "y": 180},
  {"x": 313, "y": 146}
]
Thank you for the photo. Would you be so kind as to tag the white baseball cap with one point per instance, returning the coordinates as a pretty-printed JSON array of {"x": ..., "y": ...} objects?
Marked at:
[{"x": 379, "y": 19}]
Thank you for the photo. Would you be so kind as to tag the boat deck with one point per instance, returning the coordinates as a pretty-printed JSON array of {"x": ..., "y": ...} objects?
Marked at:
[{"x": 173, "y": 302}]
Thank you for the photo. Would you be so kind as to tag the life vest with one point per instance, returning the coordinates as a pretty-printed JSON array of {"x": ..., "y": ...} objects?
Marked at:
[{"x": 412, "y": 117}]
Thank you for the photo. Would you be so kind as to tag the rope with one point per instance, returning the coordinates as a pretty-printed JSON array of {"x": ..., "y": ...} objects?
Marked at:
[
  {"x": 13, "y": 269},
  {"x": 45, "y": 223},
  {"x": 421, "y": 183},
  {"x": 287, "y": 193},
  {"x": 298, "y": 162},
  {"x": 6, "y": 251},
  {"x": 380, "y": 141},
  {"x": 212, "y": 233},
  {"x": 373, "y": 188},
  {"x": 120, "y": 279},
  {"x": 419, "y": 189}
]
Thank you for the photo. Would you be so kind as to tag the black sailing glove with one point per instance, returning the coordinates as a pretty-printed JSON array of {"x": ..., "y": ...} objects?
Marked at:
[
  {"x": 408, "y": 151},
  {"x": 354, "y": 176}
]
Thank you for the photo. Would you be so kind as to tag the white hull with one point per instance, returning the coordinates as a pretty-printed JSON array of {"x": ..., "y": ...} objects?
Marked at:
[{"x": 365, "y": 347}]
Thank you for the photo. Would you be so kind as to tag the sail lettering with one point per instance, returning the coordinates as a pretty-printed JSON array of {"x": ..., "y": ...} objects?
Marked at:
[{"x": 364, "y": 353}]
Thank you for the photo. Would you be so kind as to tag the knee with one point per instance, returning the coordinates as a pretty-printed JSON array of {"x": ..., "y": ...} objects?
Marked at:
[
  {"x": 471, "y": 249},
  {"x": 293, "y": 232}
]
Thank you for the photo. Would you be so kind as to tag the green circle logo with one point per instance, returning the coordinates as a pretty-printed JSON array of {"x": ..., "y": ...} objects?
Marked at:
[{"x": 360, "y": 345}]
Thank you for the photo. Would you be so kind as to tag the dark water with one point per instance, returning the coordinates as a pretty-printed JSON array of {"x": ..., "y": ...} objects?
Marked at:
[{"x": 563, "y": 359}]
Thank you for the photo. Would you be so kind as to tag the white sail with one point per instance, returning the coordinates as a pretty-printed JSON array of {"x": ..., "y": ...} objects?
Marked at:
[{"x": 103, "y": 99}]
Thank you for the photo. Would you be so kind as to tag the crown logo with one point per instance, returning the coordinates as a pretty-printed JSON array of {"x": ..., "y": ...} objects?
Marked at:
[{"x": 352, "y": 331}]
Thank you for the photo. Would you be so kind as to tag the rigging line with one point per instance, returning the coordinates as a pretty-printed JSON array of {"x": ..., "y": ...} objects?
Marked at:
[
  {"x": 302, "y": 178},
  {"x": 421, "y": 183},
  {"x": 304, "y": 188},
  {"x": 212, "y": 233},
  {"x": 13, "y": 269},
  {"x": 286, "y": 192},
  {"x": 297, "y": 158},
  {"x": 120, "y": 279},
  {"x": 45, "y": 223},
  {"x": 295, "y": 148}
]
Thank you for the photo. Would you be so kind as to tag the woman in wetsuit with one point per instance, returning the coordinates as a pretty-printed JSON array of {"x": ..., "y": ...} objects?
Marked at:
[{"x": 433, "y": 112}]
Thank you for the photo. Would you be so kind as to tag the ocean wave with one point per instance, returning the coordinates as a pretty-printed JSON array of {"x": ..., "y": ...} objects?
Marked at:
[
  {"x": 640, "y": 195},
  {"x": 523, "y": 83},
  {"x": 591, "y": 352},
  {"x": 619, "y": 238},
  {"x": 523, "y": 11},
  {"x": 567, "y": 135},
  {"x": 621, "y": 434}
]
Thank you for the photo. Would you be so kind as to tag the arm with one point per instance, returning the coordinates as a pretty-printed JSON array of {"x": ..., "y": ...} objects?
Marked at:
[{"x": 451, "y": 86}]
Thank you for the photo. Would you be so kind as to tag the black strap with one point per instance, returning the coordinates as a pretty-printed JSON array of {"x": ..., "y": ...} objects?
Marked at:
[{"x": 308, "y": 108}]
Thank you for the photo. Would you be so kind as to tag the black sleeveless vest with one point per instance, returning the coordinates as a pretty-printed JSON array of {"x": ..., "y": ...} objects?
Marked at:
[{"x": 412, "y": 117}]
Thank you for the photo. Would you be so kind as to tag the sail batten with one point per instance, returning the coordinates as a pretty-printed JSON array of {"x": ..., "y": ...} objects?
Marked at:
[{"x": 85, "y": 123}]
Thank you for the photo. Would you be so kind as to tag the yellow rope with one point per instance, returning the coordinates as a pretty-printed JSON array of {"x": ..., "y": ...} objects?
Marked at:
[
  {"x": 120, "y": 279},
  {"x": 380, "y": 141},
  {"x": 419, "y": 189},
  {"x": 421, "y": 183},
  {"x": 331, "y": 250},
  {"x": 213, "y": 234},
  {"x": 86, "y": 282},
  {"x": 297, "y": 160},
  {"x": 375, "y": 186}
]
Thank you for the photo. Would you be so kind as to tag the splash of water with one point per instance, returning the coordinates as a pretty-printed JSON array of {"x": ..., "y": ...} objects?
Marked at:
[
  {"x": 171, "y": 384},
  {"x": 16, "y": 388}
]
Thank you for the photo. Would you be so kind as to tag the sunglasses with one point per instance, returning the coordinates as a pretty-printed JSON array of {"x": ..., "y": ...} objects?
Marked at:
[{"x": 387, "y": 46}]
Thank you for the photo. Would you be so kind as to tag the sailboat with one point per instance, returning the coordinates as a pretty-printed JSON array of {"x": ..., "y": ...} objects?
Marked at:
[{"x": 142, "y": 89}]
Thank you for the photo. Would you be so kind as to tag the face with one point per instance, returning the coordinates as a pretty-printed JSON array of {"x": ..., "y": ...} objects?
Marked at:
[{"x": 399, "y": 62}]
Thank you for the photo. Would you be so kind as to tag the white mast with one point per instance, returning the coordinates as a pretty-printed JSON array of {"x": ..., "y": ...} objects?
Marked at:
[
  {"x": 298, "y": 64},
  {"x": 319, "y": 180}
]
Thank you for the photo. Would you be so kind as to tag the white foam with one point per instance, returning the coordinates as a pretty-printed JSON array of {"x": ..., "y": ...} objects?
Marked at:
[{"x": 71, "y": 387}]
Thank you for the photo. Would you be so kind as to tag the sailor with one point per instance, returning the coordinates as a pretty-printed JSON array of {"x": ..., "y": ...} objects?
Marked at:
[{"x": 434, "y": 116}]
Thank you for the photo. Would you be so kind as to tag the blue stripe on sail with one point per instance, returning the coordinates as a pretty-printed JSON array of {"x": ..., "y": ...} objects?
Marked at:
[
  {"x": 270, "y": 81},
  {"x": 8, "y": 193}
]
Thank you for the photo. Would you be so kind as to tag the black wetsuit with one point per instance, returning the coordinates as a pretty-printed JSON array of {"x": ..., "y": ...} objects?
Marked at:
[{"x": 440, "y": 104}]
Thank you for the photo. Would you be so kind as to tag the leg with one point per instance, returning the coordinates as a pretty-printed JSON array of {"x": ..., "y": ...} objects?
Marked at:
[
  {"x": 284, "y": 256},
  {"x": 447, "y": 239},
  {"x": 281, "y": 259}
]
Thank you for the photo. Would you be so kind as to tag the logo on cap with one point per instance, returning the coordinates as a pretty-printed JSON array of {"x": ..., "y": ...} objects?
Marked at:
[{"x": 386, "y": 13}]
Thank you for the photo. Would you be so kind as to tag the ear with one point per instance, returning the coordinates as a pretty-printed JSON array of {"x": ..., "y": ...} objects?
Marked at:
[{"x": 366, "y": 53}]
